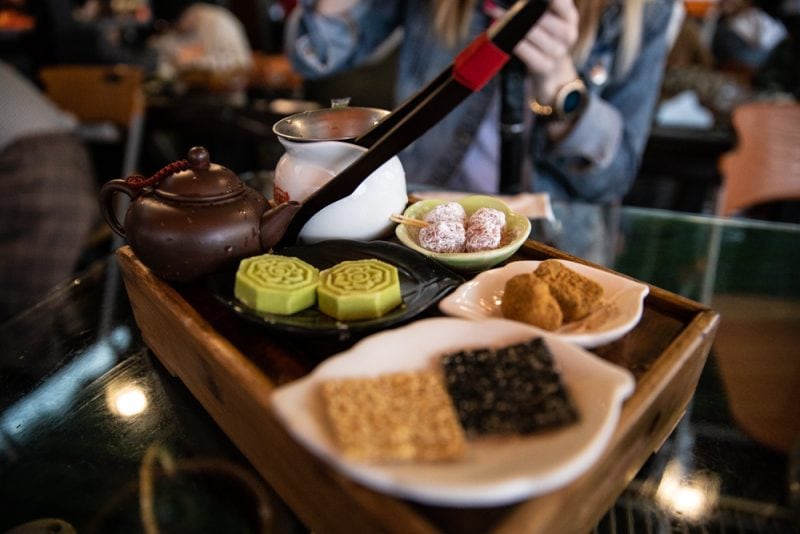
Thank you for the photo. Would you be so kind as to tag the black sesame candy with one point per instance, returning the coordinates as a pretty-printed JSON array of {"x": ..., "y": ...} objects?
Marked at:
[{"x": 511, "y": 390}]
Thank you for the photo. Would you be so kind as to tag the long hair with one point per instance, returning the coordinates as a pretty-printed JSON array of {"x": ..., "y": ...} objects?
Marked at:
[
  {"x": 590, "y": 11},
  {"x": 451, "y": 21}
]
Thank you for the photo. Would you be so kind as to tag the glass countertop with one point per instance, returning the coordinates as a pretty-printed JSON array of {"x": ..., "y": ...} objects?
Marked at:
[{"x": 95, "y": 433}]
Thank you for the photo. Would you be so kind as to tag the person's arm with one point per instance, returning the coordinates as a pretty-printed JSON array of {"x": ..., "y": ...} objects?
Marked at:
[
  {"x": 325, "y": 37},
  {"x": 598, "y": 158}
]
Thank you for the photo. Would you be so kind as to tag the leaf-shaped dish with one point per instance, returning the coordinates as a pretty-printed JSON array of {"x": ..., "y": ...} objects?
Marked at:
[
  {"x": 481, "y": 297},
  {"x": 496, "y": 470},
  {"x": 422, "y": 283}
]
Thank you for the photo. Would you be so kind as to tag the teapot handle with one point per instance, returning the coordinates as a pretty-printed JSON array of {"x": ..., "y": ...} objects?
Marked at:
[{"x": 107, "y": 192}]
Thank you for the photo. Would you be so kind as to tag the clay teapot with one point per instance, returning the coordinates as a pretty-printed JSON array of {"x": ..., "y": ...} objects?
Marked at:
[{"x": 194, "y": 218}]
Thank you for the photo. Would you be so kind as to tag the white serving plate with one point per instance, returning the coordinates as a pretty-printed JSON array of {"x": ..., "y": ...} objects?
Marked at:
[
  {"x": 496, "y": 470},
  {"x": 481, "y": 297}
]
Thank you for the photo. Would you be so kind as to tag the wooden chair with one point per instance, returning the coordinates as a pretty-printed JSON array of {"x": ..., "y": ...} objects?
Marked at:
[
  {"x": 102, "y": 96},
  {"x": 761, "y": 381},
  {"x": 762, "y": 168},
  {"x": 765, "y": 165}
]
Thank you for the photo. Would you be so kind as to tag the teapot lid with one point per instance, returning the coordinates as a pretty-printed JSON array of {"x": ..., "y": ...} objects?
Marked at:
[{"x": 201, "y": 181}]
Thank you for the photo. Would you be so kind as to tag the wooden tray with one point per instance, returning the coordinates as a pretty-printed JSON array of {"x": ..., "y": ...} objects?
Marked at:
[{"x": 232, "y": 367}]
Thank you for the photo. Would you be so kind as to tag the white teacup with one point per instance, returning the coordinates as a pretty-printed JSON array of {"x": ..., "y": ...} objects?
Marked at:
[{"x": 362, "y": 215}]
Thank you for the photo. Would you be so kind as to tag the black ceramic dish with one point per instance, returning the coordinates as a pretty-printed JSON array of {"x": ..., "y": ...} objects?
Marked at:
[{"x": 423, "y": 282}]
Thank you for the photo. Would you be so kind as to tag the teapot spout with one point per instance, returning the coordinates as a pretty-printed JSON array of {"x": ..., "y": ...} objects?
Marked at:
[{"x": 275, "y": 221}]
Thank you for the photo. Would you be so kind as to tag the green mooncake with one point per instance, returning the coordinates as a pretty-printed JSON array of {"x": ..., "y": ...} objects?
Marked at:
[
  {"x": 358, "y": 289},
  {"x": 276, "y": 284}
]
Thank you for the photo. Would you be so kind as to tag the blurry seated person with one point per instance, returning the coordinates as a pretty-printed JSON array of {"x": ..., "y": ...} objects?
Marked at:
[
  {"x": 203, "y": 45},
  {"x": 780, "y": 73},
  {"x": 47, "y": 197},
  {"x": 609, "y": 52},
  {"x": 745, "y": 36}
]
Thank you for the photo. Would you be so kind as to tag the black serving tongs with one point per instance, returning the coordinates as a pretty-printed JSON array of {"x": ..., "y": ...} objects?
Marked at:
[{"x": 470, "y": 71}]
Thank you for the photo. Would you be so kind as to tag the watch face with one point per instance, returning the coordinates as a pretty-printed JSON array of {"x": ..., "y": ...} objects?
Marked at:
[{"x": 572, "y": 101}]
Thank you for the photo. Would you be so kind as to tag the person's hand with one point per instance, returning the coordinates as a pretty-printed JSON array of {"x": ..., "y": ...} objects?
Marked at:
[
  {"x": 334, "y": 7},
  {"x": 547, "y": 47}
]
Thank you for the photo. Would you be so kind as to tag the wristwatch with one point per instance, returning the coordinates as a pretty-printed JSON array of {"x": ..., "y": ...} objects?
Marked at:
[{"x": 570, "y": 100}]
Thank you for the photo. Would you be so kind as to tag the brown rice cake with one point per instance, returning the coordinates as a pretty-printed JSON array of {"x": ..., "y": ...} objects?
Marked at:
[
  {"x": 527, "y": 298},
  {"x": 398, "y": 416},
  {"x": 577, "y": 295},
  {"x": 511, "y": 390}
]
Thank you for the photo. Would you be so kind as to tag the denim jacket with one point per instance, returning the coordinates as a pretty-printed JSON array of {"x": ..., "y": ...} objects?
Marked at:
[{"x": 596, "y": 161}]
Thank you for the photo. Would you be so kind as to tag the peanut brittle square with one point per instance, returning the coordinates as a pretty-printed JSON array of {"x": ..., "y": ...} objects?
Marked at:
[{"x": 398, "y": 416}]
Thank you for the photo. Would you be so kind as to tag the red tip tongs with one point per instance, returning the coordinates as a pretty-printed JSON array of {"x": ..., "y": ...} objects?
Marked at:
[{"x": 474, "y": 66}]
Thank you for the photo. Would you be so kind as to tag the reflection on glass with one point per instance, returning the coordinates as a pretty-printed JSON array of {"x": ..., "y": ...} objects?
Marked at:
[
  {"x": 126, "y": 399},
  {"x": 692, "y": 496},
  {"x": 55, "y": 395}
]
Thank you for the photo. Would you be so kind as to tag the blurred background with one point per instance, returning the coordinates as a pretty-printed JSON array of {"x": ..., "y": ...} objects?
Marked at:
[
  {"x": 726, "y": 53},
  {"x": 130, "y": 75}
]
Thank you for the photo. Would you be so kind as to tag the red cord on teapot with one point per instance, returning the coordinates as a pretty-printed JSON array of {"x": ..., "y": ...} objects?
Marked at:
[
  {"x": 197, "y": 158},
  {"x": 137, "y": 181}
]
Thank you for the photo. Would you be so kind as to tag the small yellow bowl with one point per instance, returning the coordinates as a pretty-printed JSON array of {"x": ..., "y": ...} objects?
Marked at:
[{"x": 518, "y": 228}]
